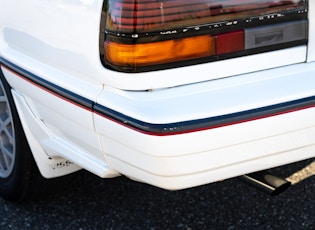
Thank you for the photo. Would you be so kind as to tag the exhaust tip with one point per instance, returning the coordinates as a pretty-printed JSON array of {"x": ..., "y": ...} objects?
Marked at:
[{"x": 267, "y": 182}]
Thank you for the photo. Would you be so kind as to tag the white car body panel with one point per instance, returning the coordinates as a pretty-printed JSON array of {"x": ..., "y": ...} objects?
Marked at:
[{"x": 57, "y": 42}]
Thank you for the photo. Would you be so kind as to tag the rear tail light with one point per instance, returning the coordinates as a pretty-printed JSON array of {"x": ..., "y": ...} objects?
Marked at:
[{"x": 144, "y": 35}]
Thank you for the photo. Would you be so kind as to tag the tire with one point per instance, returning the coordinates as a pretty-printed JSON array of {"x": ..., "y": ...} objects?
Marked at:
[{"x": 20, "y": 179}]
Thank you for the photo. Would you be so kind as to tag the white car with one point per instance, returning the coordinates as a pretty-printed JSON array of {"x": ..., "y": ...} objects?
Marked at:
[{"x": 173, "y": 93}]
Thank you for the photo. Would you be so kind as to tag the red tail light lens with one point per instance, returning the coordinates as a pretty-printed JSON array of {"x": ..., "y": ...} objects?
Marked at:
[
  {"x": 230, "y": 42},
  {"x": 141, "y": 35}
]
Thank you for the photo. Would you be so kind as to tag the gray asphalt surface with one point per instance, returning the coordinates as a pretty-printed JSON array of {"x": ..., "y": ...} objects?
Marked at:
[{"x": 93, "y": 203}]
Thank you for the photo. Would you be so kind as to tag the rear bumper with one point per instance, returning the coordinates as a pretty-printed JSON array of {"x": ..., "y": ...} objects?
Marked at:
[
  {"x": 178, "y": 137},
  {"x": 192, "y": 135}
]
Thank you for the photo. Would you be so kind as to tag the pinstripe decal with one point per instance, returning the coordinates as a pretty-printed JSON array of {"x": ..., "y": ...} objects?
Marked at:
[{"x": 162, "y": 129}]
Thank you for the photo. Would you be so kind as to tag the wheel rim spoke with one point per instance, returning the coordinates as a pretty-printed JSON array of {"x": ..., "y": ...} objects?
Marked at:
[
  {"x": 7, "y": 139},
  {"x": 6, "y": 158}
]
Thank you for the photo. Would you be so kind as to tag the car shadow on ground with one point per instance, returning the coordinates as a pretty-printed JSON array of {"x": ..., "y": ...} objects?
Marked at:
[{"x": 89, "y": 202}]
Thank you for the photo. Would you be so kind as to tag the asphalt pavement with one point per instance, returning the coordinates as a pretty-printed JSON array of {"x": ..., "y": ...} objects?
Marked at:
[{"x": 89, "y": 202}]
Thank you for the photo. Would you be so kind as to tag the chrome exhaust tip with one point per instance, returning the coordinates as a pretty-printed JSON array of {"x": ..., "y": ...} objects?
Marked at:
[{"x": 267, "y": 182}]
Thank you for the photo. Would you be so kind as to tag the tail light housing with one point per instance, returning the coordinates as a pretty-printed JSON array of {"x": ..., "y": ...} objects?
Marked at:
[{"x": 145, "y": 35}]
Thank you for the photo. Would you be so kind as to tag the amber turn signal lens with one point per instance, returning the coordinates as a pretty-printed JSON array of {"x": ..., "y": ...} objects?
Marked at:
[{"x": 159, "y": 52}]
